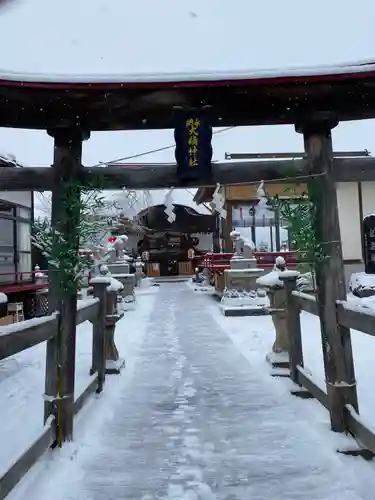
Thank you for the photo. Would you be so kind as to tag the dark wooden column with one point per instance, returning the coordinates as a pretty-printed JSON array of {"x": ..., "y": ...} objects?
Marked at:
[
  {"x": 216, "y": 233},
  {"x": 336, "y": 342},
  {"x": 60, "y": 364},
  {"x": 228, "y": 244},
  {"x": 277, "y": 229}
]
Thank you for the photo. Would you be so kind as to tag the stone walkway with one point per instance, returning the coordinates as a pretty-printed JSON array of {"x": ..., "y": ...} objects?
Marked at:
[{"x": 197, "y": 422}]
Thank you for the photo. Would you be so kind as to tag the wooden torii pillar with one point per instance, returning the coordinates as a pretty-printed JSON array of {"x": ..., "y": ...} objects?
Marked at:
[
  {"x": 60, "y": 360},
  {"x": 330, "y": 277}
]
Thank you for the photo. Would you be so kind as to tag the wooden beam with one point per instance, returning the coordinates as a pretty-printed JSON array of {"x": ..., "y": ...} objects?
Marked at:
[
  {"x": 359, "y": 428},
  {"x": 159, "y": 176},
  {"x": 336, "y": 341},
  {"x": 27, "y": 460},
  {"x": 306, "y": 302},
  {"x": 16, "y": 338},
  {"x": 88, "y": 311},
  {"x": 216, "y": 234},
  {"x": 248, "y": 156},
  {"x": 228, "y": 243},
  {"x": 356, "y": 318},
  {"x": 306, "y": 380}
]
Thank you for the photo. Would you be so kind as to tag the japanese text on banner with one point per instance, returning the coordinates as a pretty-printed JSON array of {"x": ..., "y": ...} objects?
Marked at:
[{"x": 192, "y": 126}]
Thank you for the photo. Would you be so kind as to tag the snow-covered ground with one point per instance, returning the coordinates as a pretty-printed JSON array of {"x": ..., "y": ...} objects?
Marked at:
[
  {"x": 178, "y": 394},
  {"x": 22, "y": 379},
  {"x": 256, "y": 335}
]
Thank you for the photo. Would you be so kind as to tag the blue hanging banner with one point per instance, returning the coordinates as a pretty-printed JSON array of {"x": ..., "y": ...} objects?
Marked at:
[
  {"x": 368, "y": 230},
  {"x": 193, "y": 137}
]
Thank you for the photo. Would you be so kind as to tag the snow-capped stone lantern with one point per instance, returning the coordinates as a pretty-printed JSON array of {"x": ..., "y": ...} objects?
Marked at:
[
  {"x": 276, "y": 293},
  {"x": 118, "y": 262},
  {"x": 114, "y": 312},
  {"x": 120, "y": 268}
]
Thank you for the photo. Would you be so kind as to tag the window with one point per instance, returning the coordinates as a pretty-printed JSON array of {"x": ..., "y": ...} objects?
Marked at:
[
  {"x": 24, "y": 266},
  {"x": 24, "y": 213},
  {"x": 15, "y": 242},
  {"x": 6, "y": 232},
  {"x": 23, "y": 236},
  {"x": 6, "y": 208},
  {"x": 7, "y": 266},
  {"x": 24, "y": 250}
]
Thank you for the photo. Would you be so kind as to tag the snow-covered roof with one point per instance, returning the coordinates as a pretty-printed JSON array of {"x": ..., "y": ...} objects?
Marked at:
[
  {"x": 145, "y": 199},
  {"x": 8, "y": 160},
  {"x": 203, "y": 76}
]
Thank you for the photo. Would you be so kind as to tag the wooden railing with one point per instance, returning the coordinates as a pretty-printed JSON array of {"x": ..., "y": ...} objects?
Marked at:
[
  {"x": 18, "y": 337},
  {"x": 349, "y": 315}
]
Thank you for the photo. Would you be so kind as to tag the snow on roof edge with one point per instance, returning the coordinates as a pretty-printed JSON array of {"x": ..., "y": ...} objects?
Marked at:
[
  {"x": 9, "y": 159},
  {"x": 324, "y": 70}
]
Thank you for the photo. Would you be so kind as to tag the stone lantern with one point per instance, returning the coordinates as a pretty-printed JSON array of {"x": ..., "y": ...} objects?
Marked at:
[
  {"x": 241, "y": 295},
  {"x": 138, "y": 271},
  {"x": 276, "y": 293},
  {"x": 120, "y": 269}
]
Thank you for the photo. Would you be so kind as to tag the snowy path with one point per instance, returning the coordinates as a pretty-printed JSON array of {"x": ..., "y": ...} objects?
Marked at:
[{"x": 196, "y": 422}]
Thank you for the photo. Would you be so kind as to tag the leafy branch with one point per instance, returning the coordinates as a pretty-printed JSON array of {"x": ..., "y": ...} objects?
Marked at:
[
  {"x": 83, "y": 224},
  {"x": 299, "y": 213}
]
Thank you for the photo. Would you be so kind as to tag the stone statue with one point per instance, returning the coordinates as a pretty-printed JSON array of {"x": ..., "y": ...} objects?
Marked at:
[
  {"x": 103, "y": 270},
  {"x": 120, "y": 245},
  {"x": 243, "y": 248},
  {"x": 237, "y": 244},
  {"x": 248, "y": 249}
]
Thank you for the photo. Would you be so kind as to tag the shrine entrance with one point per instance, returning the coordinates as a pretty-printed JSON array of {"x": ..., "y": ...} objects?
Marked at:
[
  {"x": 313, "y": 100},
  {"x": 169, "y": 245}
]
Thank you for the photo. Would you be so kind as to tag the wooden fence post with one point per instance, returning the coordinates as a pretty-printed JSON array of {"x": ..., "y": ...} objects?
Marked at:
[
  {"x": 330, "y": 278},
  {"x": 293, "y": 324},
  {"x": 99, "y": 328}
]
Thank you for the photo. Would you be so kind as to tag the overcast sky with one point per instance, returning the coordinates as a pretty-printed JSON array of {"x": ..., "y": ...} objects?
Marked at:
[{"x": 152, "y": 36}]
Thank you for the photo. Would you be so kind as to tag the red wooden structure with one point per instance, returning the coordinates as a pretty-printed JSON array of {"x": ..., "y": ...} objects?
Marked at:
[
  {"x": 217, "y": 262},
  {"x": 21, "y": 282}
]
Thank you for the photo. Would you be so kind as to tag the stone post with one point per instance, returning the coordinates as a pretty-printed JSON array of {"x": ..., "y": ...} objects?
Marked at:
[
  {"x": 99, "y": 331},
  {"x": 278, "y": 304},
  {"x": 113, "y": 362}
]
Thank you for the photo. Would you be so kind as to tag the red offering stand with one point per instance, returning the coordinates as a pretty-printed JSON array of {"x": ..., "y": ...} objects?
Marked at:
[{"x": 216, "y": 263}]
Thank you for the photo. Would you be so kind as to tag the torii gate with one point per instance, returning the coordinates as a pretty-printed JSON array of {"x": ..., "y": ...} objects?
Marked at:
[{"x": 314, "y": 100}]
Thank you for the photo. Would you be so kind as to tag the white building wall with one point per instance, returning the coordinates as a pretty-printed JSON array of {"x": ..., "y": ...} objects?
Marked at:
[
  {"x": 349, "y": 218},
  {"x": 18, "y": 197},
  {"x": 205, "y": 241},
  {"x": 368, "y": 198},
  {"x": 131, "y": 244}
]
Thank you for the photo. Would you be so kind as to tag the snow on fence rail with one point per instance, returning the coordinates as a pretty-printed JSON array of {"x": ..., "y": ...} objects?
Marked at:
[
  {"x": 17, "y": 337},
  {"x": 353, "y": 316}
]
